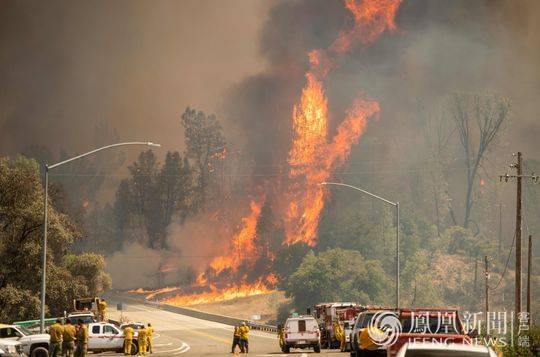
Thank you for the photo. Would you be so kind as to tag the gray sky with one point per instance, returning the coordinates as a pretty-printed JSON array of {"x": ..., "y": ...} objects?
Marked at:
[{"x": 137, "y": 64}]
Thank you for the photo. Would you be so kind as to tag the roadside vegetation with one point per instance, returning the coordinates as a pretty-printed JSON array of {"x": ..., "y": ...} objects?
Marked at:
[{"x": 21, "y": 220}]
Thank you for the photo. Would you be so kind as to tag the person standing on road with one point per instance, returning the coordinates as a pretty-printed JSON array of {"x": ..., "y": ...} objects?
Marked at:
[
  {"x": 102, "y": 310},
  {"x": 68, "y": 339},
  {"x": 338, "y": 333},
  {"x": 128, "y": 340},
  {"x": 81, "y": 339},
  {"x": 281, "y": 336},
  {"x": 150, "y": 332},
  {"x": 142, "y": 339},
  {"x": 244, "y": 338},
  {"x": 236, "y": 339},
  {"x": 55, "y": 345}
]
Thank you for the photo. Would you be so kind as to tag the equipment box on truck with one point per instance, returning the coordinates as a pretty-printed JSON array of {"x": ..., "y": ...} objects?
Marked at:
[{"x": 302, "y": 332}]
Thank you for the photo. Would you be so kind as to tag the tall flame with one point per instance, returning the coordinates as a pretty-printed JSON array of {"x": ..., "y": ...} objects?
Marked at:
[
  {"x": 312, "y": 158},
  {"x": 242, "y": 247}
]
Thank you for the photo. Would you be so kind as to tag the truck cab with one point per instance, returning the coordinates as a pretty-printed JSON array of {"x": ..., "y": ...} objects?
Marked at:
[
  {"x": 107, "y": 337},
  {"x": 33, "y": 345}
]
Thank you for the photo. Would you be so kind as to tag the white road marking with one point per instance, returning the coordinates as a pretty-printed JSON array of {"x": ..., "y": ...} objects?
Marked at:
[
  {"x": 186, "y": 348},
  {"x": 182, "y": 349}
]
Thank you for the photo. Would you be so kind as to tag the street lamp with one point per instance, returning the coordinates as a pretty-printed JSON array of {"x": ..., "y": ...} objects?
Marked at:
[
  {"x": 44, "y": 249},
  {"x": 396, "y": 205}
]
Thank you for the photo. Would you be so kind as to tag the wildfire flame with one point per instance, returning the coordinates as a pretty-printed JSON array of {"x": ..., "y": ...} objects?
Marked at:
[
  {"x": 312, "y": 157},
  {"x": 243, "y": 290},
  {"x": 242, "y": 248}
]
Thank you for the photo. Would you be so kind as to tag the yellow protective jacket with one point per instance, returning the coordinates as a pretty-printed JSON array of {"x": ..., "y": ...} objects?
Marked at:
[
  {"x": 102, "y": 306},
  {"x": 128, "y": 333},
  {"x": 69, "y": 333},
  {"x": 149, "y": 331},
  {"x": 281, "y": 336},
  {"x": 56, "y": 332},
  {"x": 244, "y": 332},
  {"x": 365, "y": 340},
  {"x": 338, "y": 331},
  {"x": 143, "y": 335}
]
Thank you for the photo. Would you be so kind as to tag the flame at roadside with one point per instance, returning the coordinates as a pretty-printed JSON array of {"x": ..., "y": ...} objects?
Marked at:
[{"x": 215, "y": 294}]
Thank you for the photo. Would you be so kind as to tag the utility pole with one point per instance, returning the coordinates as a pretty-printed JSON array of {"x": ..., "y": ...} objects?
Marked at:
[
  {"x": 529, "y": 266},
  {"x": 486, "y": 274},
  {"x": 519, "y": 169},
  {"x": 500, "y": 231},
  {"x": 519, "y": 176}
]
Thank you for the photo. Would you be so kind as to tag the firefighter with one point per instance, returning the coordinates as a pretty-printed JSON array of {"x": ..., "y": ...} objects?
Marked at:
[
  {"x": 236, "y": 339},
  {"x": 281, "y": 336},
  {"x": 102, "y": 310},
  {"x": 142, "y": 339},
  {"x": 55, "y": 345},
  {"x": 68, "y": 337},
  {"x": 338, "y": 332},
  {"x": 82, "y": 339},
  {"x": 128, "y": 340},
  {"x": 150, "y": 332},
  {"x": 244, "y": 338}
]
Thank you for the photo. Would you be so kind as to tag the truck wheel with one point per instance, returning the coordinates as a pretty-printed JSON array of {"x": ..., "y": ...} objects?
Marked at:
[
  {"x": 317, "y": 348},
  {"x": 40, "y": 352},
  {"x": 134, "y": 348}
]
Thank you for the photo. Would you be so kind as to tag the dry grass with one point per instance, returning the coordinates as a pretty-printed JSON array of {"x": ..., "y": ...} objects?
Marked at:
[{"x": 264, "y": 305}]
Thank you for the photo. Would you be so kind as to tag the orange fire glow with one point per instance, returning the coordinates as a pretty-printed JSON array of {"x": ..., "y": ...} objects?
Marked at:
[
  {"x": 215, "y": 294},
  {"x": 241, "y": 248},
  {"x": 312, "y": 158}
]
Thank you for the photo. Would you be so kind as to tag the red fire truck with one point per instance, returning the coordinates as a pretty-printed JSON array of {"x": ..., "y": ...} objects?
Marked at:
[{"x": 328, "y": 313}]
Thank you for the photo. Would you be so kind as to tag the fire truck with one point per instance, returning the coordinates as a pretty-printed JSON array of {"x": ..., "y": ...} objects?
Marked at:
[{"x": 328, "y": 313}]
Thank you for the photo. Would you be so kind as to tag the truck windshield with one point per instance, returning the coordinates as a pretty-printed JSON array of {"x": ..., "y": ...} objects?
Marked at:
[{"x": 25, "y": 331}]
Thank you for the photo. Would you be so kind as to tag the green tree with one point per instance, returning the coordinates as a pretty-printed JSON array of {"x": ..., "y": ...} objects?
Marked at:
[
  {"x": 204, "y": 143},
  {"x": 21, "y": 222},
  {"x": 17, "y": 304},
  {"x": 338, "y": 275},
  {"x": 171, "y": 197},
  {"x": 91, "y": 268}
]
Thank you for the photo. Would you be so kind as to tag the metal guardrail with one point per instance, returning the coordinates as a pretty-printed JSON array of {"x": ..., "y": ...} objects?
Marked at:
[{"x": 227, "y": 320}]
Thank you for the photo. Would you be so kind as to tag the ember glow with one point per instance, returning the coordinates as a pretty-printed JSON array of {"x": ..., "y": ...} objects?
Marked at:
[{"x": 312, "y": 159}]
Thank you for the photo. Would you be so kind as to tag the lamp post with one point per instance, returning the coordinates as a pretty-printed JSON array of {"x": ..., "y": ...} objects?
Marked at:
[
  {"x": 396, "y": 205},
  {"x": 45, "y": 217}
]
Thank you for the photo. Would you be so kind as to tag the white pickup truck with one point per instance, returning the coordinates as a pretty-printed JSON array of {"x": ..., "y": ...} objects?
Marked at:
[
  {"x": 302, "y": 332},
  {"x": 104, "y": 336},
  {"x": 33, "y": 345}
]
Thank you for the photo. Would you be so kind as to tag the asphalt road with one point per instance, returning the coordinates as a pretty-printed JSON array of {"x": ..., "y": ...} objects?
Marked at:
[{"x": 178, "y": 335}]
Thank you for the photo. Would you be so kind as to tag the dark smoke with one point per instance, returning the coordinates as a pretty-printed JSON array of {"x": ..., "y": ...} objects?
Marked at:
[{"x": 439, "y": 47}]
